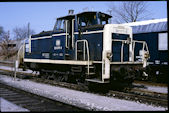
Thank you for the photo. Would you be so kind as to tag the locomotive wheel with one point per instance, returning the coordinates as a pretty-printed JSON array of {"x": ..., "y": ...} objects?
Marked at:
[
  {"x": 98, "y": 87},
  {"x": 121, "y": 78},
  {"x": 41, "y": 74},
  {"x": 64, "y": 78},
  {"x": 45, "y": 75},
  {"x": 58, "y": 78},
  {"x": 50, "y": 76},
  {"x": 72, "y": 79}
]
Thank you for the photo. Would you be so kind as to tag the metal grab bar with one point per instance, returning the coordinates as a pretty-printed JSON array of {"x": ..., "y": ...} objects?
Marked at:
[
  {"x": 133, "y": 47},
  {"x": 73, "y": 21},
  {"x": 143, "y": 48},
  {"x": 66, "y": 45},
  {"x": 21, "y": 51},
  {"x": 122, "y": 48},
  {"x": 85, "y": 45}
]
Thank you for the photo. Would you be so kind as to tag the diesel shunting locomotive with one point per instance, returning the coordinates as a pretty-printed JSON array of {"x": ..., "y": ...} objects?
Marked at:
[{"x": 84, "y": 47}]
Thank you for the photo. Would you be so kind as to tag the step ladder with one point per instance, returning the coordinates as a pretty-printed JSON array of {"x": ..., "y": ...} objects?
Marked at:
[{"x": 91, "y": 70}]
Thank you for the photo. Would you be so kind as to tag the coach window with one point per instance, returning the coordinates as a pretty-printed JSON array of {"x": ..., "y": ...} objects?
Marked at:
[{"x": 162, "y": 41}]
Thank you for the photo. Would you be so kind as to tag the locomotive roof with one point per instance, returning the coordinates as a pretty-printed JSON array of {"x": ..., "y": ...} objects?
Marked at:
[
  {"x": 83, "y": 13},
  {"x": 87, "y": 12},
  {"x": 43, "y": 33},
  {"x": 68, "y": 16}
]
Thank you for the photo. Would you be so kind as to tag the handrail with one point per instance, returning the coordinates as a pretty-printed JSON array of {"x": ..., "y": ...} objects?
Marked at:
[
  {"x": 22, "y": 47},
  {"x": 85, "y": 43},
  {"x": 122, "y": 46},
  {"x": 144, "y": 46},
  {"x": 133, "y": 47},
  {"x": 73, "y": 20},
  {"x": 66, "y": 45}
]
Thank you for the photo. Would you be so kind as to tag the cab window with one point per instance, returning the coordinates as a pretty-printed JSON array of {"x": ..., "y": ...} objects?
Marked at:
[
  {"x": 60, "y": 25},
  {"x": 87, "y": 20},
  {"x": 103, "y": 19}
]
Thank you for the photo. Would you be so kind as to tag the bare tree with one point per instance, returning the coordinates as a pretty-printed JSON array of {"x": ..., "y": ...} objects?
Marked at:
[
  {"x": 5, "y": 44},
  {"x": 1, "y": 30},
  {"x": 22, "y": 32},
  {"x": 130, "y": 11},
  {"x": 4, "y": 39},
  {"x": 1, "y": 33}
]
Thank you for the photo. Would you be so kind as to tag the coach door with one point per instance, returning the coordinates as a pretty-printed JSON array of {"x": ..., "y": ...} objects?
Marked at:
[{"x": 69, "y": 45}]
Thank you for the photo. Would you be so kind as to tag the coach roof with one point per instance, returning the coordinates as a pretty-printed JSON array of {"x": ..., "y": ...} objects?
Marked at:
[{"x": 156, "y": 25}]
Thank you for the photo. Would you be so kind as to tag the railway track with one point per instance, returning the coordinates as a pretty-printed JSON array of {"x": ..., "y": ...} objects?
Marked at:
[
  {"x": 33, "y": 102},
  {"x": 148, "y": 93},
  {"x": 151, "y": 83},
  {"x": 140, "y": 97},
  {"x": 158, "y": 99}
]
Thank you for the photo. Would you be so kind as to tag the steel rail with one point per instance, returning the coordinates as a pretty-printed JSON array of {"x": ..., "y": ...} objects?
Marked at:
[
  {"x": 33, "y": 102},
  {"x": 140, "y": 98}
]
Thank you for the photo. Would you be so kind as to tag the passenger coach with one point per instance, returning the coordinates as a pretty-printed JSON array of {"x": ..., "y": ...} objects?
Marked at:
[{"x": 155, "y": 33}]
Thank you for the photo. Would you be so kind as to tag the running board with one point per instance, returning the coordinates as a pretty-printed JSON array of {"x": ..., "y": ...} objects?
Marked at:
[
  {"x": 70, "y": 62},
  {"x": 96, "y": 81}
]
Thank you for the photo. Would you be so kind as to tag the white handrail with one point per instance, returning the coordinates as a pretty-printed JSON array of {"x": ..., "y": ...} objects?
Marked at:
[
  {"x": 73, "y": 33},
  {"x": 84, "y": 49},
  {"x": 22, "y": 47},
  {"x": 134, "y": 41},
  {"x": 66, "y": 35},
  {"x": 143, "y": 51},
  {"x": 30, "y": 44},
  {"x": 122, "y": 46},
  {"x": 133, "y": 50},
  {"x": 85, "y": 42}
]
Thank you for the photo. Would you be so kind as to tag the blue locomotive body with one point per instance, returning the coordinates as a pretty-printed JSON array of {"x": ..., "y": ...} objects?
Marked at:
[
  {"x": 85, "y": 47},
  {"x": 54, "y": 47}
]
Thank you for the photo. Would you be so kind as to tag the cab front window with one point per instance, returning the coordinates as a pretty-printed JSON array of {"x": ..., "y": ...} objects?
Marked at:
[{"x": 60, "y": 25}]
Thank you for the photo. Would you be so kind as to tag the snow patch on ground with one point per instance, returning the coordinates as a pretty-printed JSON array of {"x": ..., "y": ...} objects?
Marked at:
[
  {"x": 81, "y": 99},
  {"x": 159, "y": 89},
  {"x": 7, "y": 106},
  {"x": 17, "y": 70}
]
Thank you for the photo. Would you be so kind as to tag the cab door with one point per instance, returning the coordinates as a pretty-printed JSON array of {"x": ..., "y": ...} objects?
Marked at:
[{"x": 69, "y": 45}]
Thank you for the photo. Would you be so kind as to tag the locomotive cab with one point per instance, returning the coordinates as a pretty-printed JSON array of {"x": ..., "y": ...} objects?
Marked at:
[{"x": 91, "y": 20}]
